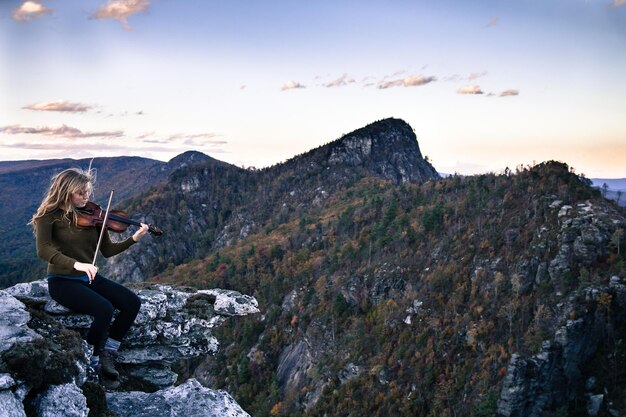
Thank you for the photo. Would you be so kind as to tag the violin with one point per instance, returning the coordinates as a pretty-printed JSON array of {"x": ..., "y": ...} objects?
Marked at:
[{"x": 92, "y": 215}]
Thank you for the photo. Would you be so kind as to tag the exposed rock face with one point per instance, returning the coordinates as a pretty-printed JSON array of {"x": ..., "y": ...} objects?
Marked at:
[
  {"x": 554, "y": 376},
  {"x": 188, "y": 399},
  {"x": 584, "y": 236},
  {"x": 13, "y": 322},
  {"x": 67, "y": 397},
  {"x": 10, "y": 405},
  {"x": 293, "y": 365},
  {"x": 388, "y": 147},
  {"x": 173, "y": 324}
]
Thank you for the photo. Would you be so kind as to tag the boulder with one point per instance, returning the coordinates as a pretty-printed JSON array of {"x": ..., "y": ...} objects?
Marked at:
[
  {"x": 65, "y": 400},
  {"x": 10, "y": 405},
  {"x": 13, "y": 322},
  {"x": 188, "y": 399}
]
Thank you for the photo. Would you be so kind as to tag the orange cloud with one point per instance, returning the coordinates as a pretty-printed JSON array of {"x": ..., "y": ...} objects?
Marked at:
[
  {"x": 470, "y": 89},
  {"x": 290, "y": 85},
  {"x": 121, "y": 10},
  {"x": 30, "y": 10}
]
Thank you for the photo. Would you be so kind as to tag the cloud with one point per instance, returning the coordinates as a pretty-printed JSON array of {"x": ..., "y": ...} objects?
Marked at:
[
  {"x": 187, "y": 136},
  {"x": 493, "y": 22},
  {"x": 30, "y": 10},
  {"x": 160, "y": 141},
  {"x": 470, "y": 89},
  {"x": 66, "y": 148},
  {"x": 121, "y": 10},
  {"x": 476, "y": 75},
  {"x": 453, "y": 78},
  {"x": 146, "y": 135},
  {"x": 340, "y": 82},
  {"x": 509, "y": 93},
  {"x": 412, "y": 81},
  {"x": 618, "y": 3},
  {"x": 61, "y": 132},
  {"x": 196, "y": 139},
  {"x": 60, "y": 105},
  {"x": 58, "y": 145},
  {"x": 194, "y": 142},
  {"x": 290, "y": 85}
]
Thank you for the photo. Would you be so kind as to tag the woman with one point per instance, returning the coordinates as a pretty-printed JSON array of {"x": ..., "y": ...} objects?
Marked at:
[{"x": 72, "y": 280}]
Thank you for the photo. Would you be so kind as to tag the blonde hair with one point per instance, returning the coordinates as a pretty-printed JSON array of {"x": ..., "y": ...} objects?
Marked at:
[{"x": 62, "y": 186}]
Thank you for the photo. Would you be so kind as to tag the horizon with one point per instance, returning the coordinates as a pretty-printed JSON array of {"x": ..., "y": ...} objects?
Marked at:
[
  {"x": 484, "y": 86},
  {"x": 443, "y": 174}
]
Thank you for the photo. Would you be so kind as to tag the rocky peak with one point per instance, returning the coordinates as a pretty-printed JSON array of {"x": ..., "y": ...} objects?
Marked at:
[
  {"x": 43, "y": 365},
  {"x": 387, "y": 148}
]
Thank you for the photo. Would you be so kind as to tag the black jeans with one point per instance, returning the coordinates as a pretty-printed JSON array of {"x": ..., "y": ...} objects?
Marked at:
[{"x": 98, "y": 299}]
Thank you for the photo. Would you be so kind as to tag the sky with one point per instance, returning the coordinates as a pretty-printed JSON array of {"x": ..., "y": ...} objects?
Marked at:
[{"x": 485, "y": 84}]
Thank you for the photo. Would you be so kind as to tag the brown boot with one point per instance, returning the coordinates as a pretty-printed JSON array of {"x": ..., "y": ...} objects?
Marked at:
[
  {"x": 107, "y": 364},
  {"x": 107, "y": 383}
]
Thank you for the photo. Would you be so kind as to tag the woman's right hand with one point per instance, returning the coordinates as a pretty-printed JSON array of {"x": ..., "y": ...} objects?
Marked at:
[{"x": 90, "y": 269}]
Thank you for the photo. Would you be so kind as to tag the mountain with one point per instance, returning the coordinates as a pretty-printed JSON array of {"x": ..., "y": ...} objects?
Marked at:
[
  {"x": 469, "y": 296},
  {"x": 617, "y": 184},
  {"x": 613, "y": 188},
  {"x": 24, "y": 183},
  {"x": 213, "y": 205},
  {"x": 386, "y": 290}
]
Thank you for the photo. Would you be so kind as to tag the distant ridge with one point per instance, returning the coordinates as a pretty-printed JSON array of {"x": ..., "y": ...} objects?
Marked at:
[
  {"x": 14, "y": 166},
  {"x": 24, "y": 183},
  {"x": 615, "y": 188}
]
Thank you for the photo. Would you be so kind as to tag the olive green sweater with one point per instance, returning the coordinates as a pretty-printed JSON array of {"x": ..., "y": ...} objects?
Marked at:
[{"x": 62, "y": 244}]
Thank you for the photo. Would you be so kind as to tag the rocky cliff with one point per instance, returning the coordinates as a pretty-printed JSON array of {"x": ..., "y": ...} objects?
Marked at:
[
  {"x": 560, "y": 372},
  {"x": 43, "y": 370}
]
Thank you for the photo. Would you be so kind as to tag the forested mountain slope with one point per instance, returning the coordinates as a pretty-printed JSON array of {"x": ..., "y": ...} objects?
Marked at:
[
  {"x": 204, "y": 207},
  {"x": 462, "y": 296}
]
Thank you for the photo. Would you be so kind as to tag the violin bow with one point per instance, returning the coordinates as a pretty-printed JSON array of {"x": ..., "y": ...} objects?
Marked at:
[{"x": 104, "y": 228}]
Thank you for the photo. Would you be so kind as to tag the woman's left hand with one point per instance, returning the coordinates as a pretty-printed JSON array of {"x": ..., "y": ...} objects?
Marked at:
[{"x": 140, "y": 232}]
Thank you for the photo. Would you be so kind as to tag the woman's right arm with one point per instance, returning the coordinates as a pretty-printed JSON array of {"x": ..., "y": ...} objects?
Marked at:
[{"x": 46, "y": 249}]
